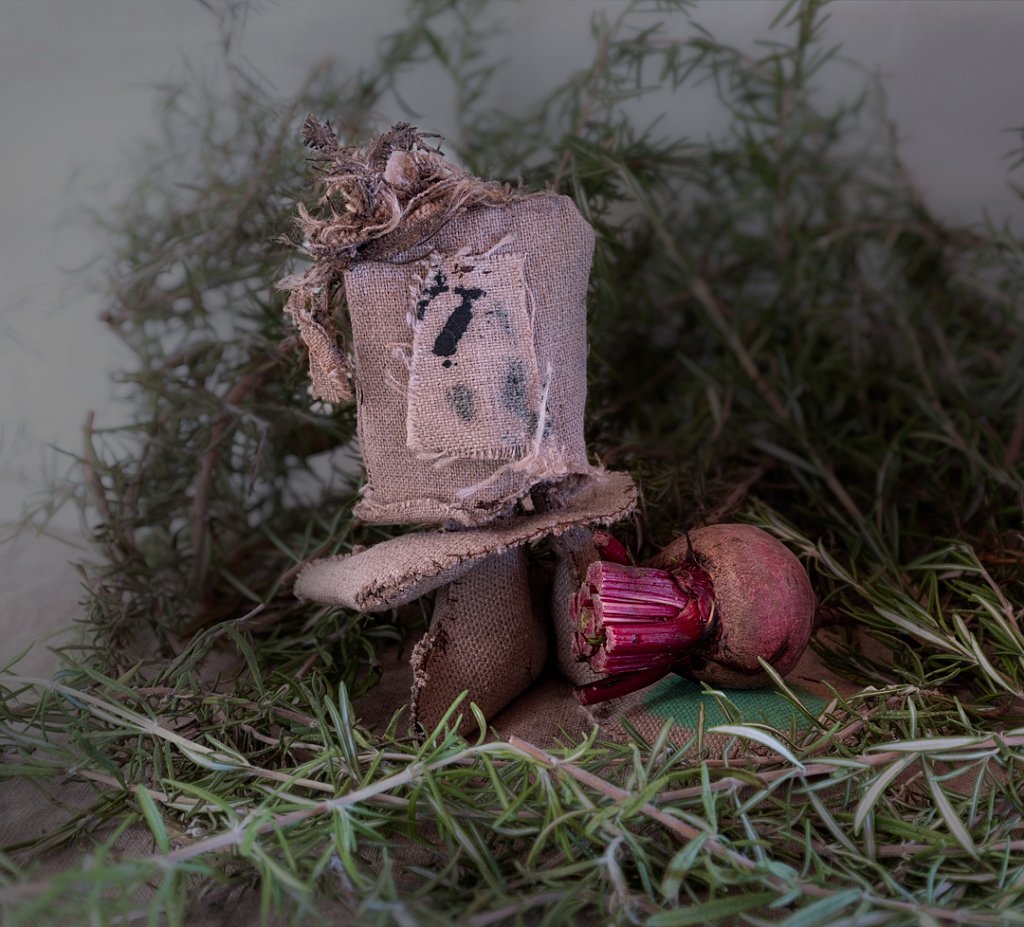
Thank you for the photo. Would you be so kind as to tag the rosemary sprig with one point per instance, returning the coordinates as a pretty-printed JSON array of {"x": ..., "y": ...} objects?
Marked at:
[{"x": 729, "y": 833}]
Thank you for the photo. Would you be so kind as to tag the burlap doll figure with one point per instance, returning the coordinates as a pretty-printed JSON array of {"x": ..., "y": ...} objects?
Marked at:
[{"x": 467, "y": 303}]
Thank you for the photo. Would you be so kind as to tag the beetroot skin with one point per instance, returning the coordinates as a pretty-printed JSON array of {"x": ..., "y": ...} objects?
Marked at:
[{"x": 764, "y": 604}]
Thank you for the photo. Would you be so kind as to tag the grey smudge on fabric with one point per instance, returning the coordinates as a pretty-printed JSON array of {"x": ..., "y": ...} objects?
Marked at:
[
  {"x": 462, "y": 401},
  {"x": 500, "y": 315},
  {"x": 515, "y": 393}
]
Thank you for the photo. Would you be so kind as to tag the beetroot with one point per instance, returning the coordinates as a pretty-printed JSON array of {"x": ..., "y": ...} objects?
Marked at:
[{"x": 708, "y": 607}]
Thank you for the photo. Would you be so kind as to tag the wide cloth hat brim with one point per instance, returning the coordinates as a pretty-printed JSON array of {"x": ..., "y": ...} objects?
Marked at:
[{"x": 402, "y": 569}]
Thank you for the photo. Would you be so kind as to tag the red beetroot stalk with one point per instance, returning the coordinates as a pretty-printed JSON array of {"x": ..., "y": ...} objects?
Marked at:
[
  {"x": 619, "y": 685},
  {"x": 714, "y": 609},
  {"x": 611, "y": 548},
  {"x": 638, "y": 623}
]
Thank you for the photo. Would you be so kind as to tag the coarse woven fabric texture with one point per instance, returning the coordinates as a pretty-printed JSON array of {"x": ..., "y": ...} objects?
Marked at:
[
  {"x": 399, "y": 570},
  {"x": 484, "y": 638},
  {"x": 432, "y": 455}
]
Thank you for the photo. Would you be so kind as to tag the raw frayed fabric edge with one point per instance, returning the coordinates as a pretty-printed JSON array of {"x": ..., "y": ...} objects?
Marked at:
[
  {"x": 563, "y": 485},
  {"x": 380, "y": 201}
]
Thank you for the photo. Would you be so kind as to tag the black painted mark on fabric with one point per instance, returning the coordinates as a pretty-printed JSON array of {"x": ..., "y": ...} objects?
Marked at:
[
  {"x": 462, "y": 401},
  {"x": 447, "y": 342},
  {"x": 439, "y": 286}
]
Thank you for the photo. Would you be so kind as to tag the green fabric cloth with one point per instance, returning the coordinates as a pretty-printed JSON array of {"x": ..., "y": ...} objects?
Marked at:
[{"x": 679, "y": 700}]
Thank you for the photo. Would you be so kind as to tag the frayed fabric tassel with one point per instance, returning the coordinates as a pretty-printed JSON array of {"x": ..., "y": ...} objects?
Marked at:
[
  {"x": 377, "y": 203},
  {"x": 329, "y": 369}
]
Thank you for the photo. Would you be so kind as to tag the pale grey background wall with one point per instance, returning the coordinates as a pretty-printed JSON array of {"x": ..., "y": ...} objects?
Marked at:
[{"x": 75, "y": 78}]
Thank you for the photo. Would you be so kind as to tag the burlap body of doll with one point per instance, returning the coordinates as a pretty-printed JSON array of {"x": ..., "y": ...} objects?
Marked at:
[
  {"x": 470, "y": 358},
  {"x": 468, "y": 313}
]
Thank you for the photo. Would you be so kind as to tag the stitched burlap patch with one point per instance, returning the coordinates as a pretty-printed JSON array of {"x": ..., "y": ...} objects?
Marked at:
[{"x": 474, "y": 388}]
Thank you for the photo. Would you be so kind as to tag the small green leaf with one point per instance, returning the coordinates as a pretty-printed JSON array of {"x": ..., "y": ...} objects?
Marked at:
[
  {"x": 823, "y": 909},
  {"x": 761, "y": 737},
  {"x": 952, "y": 819},
  {"x": 709, "y": 912},
  {"x": 153, "y": 818},
  {"x": 874, "y": 793},
  {"x": 679, "y": 865}
]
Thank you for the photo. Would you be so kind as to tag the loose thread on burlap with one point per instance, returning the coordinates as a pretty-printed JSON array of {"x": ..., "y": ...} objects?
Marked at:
[
  {"x": 467, "y": 251},
  {"x": 403, "y": 354}
]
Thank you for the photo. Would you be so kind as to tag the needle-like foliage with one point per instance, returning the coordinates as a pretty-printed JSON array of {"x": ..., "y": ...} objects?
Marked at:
[{"x": 781, "y": 332}]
